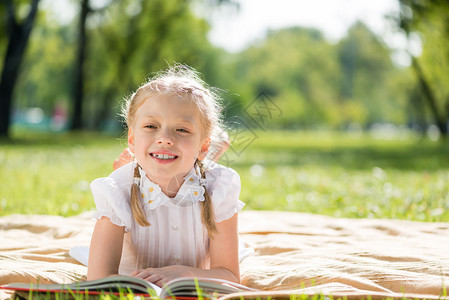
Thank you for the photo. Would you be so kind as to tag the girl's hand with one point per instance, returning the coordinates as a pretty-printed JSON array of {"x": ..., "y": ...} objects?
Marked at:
[
  {"x": 124, "y": 158},
  {"x": 161, "y": 276}
]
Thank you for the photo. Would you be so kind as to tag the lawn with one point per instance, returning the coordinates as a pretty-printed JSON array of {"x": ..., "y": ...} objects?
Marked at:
[{"x": 336, "y": 174}]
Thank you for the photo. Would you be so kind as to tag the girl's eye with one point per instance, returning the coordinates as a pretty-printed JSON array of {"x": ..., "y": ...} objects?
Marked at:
[
  {"x": 182, "y": 130},
  {"x": 150, "y": 126}
]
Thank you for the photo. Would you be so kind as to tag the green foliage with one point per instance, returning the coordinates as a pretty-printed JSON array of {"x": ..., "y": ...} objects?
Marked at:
[
  {"x": 367, "y": 69},
  {"x": 329, "y": 173},
  {"x": 319, "y": 83},
  {"x": 435, "y": 56},
  {"x": 46, "y": 72},
  {"x": 427, "y": 20},
  {"x": 289, "y": 67}
]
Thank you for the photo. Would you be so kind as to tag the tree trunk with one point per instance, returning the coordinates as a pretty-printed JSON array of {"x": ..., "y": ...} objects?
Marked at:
[
  {"x": 78, "y": 88},
  {"x": 18, "y": 39}
]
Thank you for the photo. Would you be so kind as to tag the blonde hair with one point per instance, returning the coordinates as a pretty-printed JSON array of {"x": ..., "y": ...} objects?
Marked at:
[{"x": 185, "y": 82}]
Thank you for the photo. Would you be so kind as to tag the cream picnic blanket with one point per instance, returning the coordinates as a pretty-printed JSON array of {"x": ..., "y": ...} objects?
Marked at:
[{"x": 294, "y": 252}]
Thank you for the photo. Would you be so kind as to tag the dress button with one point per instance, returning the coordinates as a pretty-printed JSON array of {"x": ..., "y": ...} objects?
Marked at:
[{"x": 174, "y": 227}]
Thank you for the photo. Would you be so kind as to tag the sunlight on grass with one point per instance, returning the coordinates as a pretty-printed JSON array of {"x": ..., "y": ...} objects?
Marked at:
[{"x": 326, "y": 173}]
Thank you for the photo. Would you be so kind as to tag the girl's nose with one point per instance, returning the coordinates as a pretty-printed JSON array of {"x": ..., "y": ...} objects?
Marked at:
[{"x": 165, "y": 137}]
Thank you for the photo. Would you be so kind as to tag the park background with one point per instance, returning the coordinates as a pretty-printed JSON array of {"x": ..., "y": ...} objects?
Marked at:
[{"x": 347, "y": 127}]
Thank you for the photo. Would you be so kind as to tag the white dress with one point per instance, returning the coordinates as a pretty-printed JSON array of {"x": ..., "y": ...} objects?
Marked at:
[{"x": 176, "y": 234}]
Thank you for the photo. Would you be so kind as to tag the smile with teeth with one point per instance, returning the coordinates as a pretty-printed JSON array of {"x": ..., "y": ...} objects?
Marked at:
[{"x": 163, "y": 156}]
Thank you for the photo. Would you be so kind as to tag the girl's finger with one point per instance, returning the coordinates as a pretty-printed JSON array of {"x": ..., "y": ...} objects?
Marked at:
[
  {"x": 137, "y": 272},
  {"x": 159, "y": 283},
  {"x": 154, "y": 278},
  {"x": 143, "y": 274}
]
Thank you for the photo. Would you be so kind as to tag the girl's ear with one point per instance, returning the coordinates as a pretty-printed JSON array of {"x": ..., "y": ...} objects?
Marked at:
[
  {"x": 131, "y": 140},
  {"x": 204, "y": 149}
]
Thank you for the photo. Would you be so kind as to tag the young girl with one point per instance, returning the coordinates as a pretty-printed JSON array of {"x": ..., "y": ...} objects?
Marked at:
[{"x": 171, "y": 212}]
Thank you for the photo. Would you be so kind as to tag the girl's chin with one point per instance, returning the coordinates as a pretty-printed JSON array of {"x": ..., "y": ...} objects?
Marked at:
[{"x": 158, "y": 175}]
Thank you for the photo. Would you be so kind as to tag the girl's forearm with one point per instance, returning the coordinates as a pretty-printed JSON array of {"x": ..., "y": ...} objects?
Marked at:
[{"x": 219, "y": 273}]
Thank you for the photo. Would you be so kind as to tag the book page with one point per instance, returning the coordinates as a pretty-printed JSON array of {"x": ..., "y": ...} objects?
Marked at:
[{"x": 156, "y": 288}]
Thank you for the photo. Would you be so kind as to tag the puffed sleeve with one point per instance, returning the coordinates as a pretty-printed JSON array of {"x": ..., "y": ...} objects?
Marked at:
[
  {"x": 111, "y": 196},
  {"x": 224, "y": 188}
]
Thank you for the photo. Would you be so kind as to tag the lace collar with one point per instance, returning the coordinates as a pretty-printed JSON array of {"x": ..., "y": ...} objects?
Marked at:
[{"x": 191, "y": 191}]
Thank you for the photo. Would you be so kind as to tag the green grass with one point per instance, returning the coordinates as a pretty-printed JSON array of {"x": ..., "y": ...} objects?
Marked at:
[
  {"x": 50, "y": 174},
  {"x": 336, "y": 174}
]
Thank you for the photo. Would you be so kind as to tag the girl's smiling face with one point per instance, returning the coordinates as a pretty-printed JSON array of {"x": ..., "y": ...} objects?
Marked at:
[{"x": 166, "y": 139}]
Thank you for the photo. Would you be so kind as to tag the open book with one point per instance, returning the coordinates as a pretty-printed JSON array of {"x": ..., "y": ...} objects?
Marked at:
[{"x": 184, "y": 287}]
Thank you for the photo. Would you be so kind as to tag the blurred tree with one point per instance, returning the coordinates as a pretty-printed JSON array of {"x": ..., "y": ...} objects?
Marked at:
[
  {"x": 297, "y": 68},
  {"x": 18, "y": 33},
  {"x": 47, "y": 70},
  {"x": 78, "y": 87},
  {"x": 429, "y": 18},
  {"x": 318, "y": 83},
  {"x": 367, "y": 68}
]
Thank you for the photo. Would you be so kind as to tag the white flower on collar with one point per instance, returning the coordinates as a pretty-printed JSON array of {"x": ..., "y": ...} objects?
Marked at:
[{"x": 191, "y": 191}]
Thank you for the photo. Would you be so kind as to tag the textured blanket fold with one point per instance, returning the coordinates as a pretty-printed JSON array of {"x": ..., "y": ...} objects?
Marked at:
[{"x": 294, "y": 253}]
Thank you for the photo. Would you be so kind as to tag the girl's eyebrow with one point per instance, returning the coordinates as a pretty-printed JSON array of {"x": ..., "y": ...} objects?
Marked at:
[{"x": 149, "y": 115}]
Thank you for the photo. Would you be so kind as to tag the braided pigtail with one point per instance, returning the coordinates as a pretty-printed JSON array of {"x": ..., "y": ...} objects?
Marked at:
[
  {"x": 207, "y": 212},
  {"x": 136, "y": 206}
]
